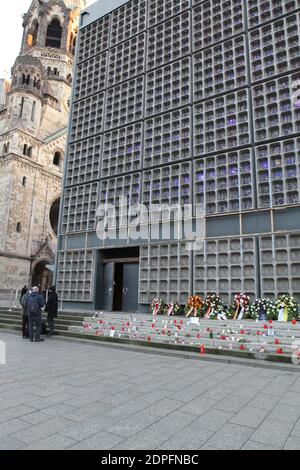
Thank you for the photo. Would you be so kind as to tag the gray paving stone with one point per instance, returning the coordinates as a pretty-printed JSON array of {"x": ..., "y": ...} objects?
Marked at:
[
  {"x": 198, "y": 406},
  {"x": 156, "y": 396},
  {"x": 285, "y": 413},
  {"x": 54, "y": 442},
  {"x": 250, "y": 416},
  {"x": 295, "y": 387},
  {"x": 101, "y": 441},
  {"x": 42, "y": 430},
  {"x": 278, "y": 389},
  {"x": 234, "y": 405},
  {"x": 296, "y": 429},
  {"x": 145, "y": 440},
  {"x": 177, "y": 443},
  {"x": 12, "y": 426},
  {"x": 59, "y": 410},
  {"x": 164, "y": 407},
  {"x": 291, "y": 398},
  {"x": 15, "y": 412},
  {"x": 231, "y": 437},
  {"x": 191, "y": 432},
  {"x": 266, "y": 402},
  {"x": 286, "y": 378},
  {"x": 35, "y": 418},
  {"x": 219, "y": 392},
  {"x": 248, "y": 391},
  {"x": 125, "y": 409},
  {"x": 212, "y": 420},
  {"x": 272, "y": 432},
  {"x": 10, "y": 443},
  {"x": 173, "y": 423},
  {"x": 84, "y": 430},
  {"x": 253, "y": 445},
  {"x": 293, "y": 443},
  {"x": 131, "y": 425},
  {"x": 208, "y": 447},
  {"x": 152, "y": 400}
]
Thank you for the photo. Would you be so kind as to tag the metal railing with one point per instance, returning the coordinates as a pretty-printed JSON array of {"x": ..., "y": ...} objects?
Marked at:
[{"x": 11, "y": 297}]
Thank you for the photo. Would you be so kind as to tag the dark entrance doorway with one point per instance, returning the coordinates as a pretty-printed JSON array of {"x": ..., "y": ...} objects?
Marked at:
[
  {"x": 120, "y": 279},
  {"x": 42, "y": 277}
]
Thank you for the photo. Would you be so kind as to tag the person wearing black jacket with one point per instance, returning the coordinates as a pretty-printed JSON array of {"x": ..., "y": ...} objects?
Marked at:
[
  {"x": 51, "y": 309},
  {"x": 23, "y": 292}
]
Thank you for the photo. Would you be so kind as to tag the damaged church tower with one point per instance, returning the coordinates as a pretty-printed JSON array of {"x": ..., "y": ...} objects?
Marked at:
[{"x": 33, "y": 126}]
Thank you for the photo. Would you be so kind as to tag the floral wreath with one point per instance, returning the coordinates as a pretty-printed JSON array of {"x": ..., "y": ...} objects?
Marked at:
[
  {"x": 241, "y": 301},
  {"x": 263, "y": 304},
  {"x": 156, "y": 306},
  {"x": 172, "y": 308},
  {"x": 214, "y": 304},
  {"x": 290, "y": 308},
  {"x": 194, "y": 304}
]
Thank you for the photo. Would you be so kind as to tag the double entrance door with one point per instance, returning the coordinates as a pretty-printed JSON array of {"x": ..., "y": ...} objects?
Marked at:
[{"x": 120, "y": 286}]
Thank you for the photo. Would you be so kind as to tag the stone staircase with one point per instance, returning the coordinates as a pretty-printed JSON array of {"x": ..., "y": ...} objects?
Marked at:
[
  {"x": 272, "y": 341},
  {"x": 277, "y": 342},
  {"x": 12, "y": 320}
]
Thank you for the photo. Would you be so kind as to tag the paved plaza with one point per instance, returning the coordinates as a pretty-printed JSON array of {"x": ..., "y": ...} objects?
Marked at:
[{"x": 74, "y": 395}]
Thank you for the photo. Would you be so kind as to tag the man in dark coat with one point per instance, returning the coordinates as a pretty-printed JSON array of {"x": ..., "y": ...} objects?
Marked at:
[
  {"x": 33, "y": 305},
  {"x": 23, "y": 292},
  {"x": 51, "y": 308},
  {"x": 24, "y": 312}
]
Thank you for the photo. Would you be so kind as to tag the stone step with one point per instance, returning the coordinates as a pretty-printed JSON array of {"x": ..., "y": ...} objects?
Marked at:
[
  {"x": 63, "y": 319},
  {"x": 241, "y": 336},
  {"x": 208, "y": 349}
]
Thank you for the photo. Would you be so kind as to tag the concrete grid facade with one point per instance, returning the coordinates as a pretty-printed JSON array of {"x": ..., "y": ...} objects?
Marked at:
[{"x": 190, "y": 102}]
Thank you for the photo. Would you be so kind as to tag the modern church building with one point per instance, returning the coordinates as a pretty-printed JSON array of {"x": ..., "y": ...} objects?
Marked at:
[{"x": 189, "y": 104}]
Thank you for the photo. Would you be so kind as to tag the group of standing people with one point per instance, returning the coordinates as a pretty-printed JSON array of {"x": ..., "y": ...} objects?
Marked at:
[{"x": 32, "y": 303}]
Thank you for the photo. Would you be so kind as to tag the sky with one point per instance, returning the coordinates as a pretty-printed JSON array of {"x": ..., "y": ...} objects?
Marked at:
[{"x": 11, "y": 33}]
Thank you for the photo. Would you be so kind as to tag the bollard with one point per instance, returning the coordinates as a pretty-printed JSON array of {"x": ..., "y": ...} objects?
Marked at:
[
  {"x": 16, "y": 298},
  {"x": 11, "y": 300}
]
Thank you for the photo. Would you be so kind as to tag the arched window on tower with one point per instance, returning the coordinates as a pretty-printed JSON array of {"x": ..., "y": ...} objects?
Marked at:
[
  {"x": 33, "y": 34},
  {"x": 5, "y": 148},
  {"x": 72, "y": 43},
  {"x": 24, "y": 181},
  {"x": 18, "y": 228},
  {"x": 33, "y": 111},
  {"x": 57, "y": 159},
  {"x": 54, "y": 33},
  {"x": 22, "y": 106}
]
